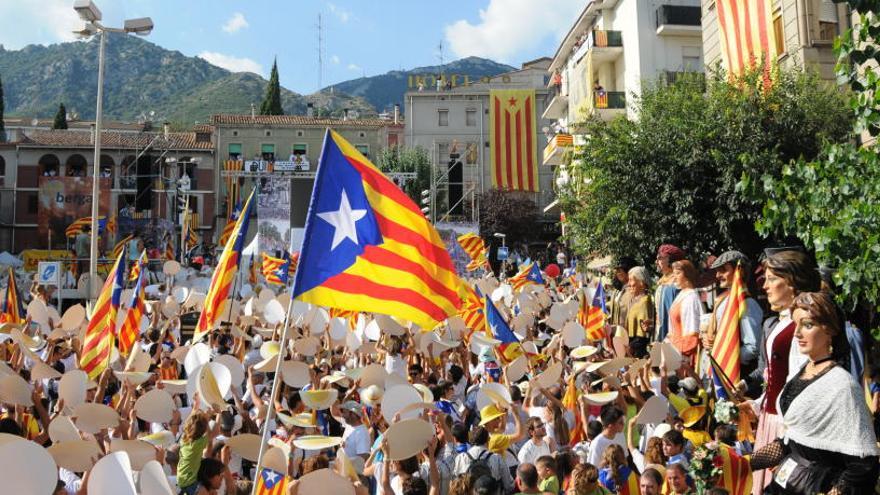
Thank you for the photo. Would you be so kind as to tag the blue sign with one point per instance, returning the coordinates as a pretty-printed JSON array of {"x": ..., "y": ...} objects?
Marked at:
[{"x": 503, "y": 253}]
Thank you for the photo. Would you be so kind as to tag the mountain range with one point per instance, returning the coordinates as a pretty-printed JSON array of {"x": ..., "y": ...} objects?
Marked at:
[{"x": 145, "y": 81}]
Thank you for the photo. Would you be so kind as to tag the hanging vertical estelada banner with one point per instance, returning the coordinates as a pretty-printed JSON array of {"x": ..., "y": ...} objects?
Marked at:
[
  {"x": 745, "y": 28},
  {"x": 513, "y": 139}
]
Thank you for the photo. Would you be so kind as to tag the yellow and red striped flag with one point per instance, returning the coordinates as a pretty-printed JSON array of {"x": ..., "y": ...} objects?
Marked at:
[
  {"x": 230, "y": 225},
  {"x": 726, "y": 349},
  {"x": 745, "y": 28},
  {"x": 12, "y": 311},
  {"x": 570, "y": 402},
  {"x": 169, "y": 250},
  {"x": 736, "y": 475},
  {"x": 102, "y": 326},
  {"x": 252, "y": 270},
  {"x": 513, "y": 143},
  {"x": 270, "y": 269},
  {"x": 472, "y": 313},
  {"x": 270, "y": 483},
  {"x": 591, "y": 315},
  {"x": 137, "y": 266},
  {"x": 348, "y": 315},
  {"x": 368, "y": 247},
  {"x": 119, "y": 246},
  {"x": 131, "y": 327},
  {"x": 224, "y": 274},
  {"x": 530, "y": 274},
  {"x": 473, "y": 245}
]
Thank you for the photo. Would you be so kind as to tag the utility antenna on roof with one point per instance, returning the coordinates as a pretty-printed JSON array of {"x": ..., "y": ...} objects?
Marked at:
[
  {"x": 320, "y": 54},
  {"x": 440, "y": 52}
]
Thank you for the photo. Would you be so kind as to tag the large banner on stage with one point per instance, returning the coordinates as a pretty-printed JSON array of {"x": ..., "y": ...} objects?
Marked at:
[
  {"x": 273, "y": 215},
  {"x": 62, "y": 200}
]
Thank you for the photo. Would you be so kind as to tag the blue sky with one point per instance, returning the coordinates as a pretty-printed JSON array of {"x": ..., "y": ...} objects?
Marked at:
[{"x": 360, "y": 37}]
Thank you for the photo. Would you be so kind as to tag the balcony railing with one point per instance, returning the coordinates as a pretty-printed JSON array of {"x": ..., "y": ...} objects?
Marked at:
[
  {"x": 603, "y": 39},
  {"x": 603, "y": 100},
  {"x": 678, "y": 15}
]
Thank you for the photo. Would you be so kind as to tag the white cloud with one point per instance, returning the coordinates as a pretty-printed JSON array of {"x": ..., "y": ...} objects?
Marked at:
[
  {"x": 507, "y": 27},
  {"x": 354, "y": 67},
  {"x": 37, "y": 21},
  {"x": 340, "y": 13},
  {"x": 231, "y": 63},
  {"x": 235, "y": 23},
  {"x": 334, "y": 59}
]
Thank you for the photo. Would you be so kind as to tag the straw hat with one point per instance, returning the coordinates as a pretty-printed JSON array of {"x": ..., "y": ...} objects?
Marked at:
[
  {"x": 198, "y": 354},
  {"x": 583, "y": 352},
  {"x": 653, "y": 411},
  {"x": 236, "y": 369},
  {"x": 62, "y": 429},
  {"x": 573, "y": 334},
  {"x": 136, "y": 378},
  {"x": 112, "y": 476},
  {"x": 246, "y": 445},
  {"x": 92, "y": 418},
  {"x": 398, "y": 397},
  {"x": 301, "y": 420},
  {"x": 318, "y": 400},
  {"x": 273, "y": 312},
  {"x": 153, "y": 480},
  {"x": 307, "y": 346},
  {"x": 490, "y": 413},
  {"x": 73, "y": 318},
  {"x": 373, "y": 374},
  {"x": 15, "y": 390},
  {"x": 42, "y": 371},
  {"x": 407, "y": 438},
  {"x": 692, "y": 415},
  {"x": 517, "y": 368},
  {"x": 174, "y": 387},
  {"x": 214, "y": 381},
  {"x": 26, "y": 466},
  {"x": 601, "y": 398},
  {"x": 661, "y": 430},
  {"x": 75, "y": 455},
  {"x": 550, "y": 376},
  {"x": 372, "y": 395},
  {"x": 155, "y": 406},
  {"x": 171, "y": 267},
  {"x": 493, "y": 393},
  {"x": 427, "y": 395},
  {"x": 295, "y": 374},
  {"x": 325, "y": 481},
  {"x": 162, "y": 438},
  {"x": 317, "y": 442},
  {"x": 139, "y": 452}
]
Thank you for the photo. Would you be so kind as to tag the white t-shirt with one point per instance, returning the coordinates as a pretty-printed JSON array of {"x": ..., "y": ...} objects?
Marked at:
[
  {"x": 356, "y": 441},
  {"x": 600, "y": 443},
  {"x": 395, "y": 364},
  {"x": 530, "y": 451}
]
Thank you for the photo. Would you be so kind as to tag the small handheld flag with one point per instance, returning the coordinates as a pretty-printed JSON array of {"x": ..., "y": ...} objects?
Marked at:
[
  {"x": 270, "y": 483},
  {"x": 12, "y": 310},
  {"x": 509, "y": 348},
  {"x": 230, "y": 225},
  {"x": 224, "y": 274},
  {"x": 102, "y": 326},
  {"x": 368, "y": 247},
  {"x": 530, "y": 274},
  {"x": 473, "y": 245},
  {"x": 131, "y": 327},
  {"x": 592, "y": 316}
]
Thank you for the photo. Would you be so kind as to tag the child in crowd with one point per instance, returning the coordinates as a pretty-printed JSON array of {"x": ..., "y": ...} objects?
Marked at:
[{"x": 546, "y": 466}]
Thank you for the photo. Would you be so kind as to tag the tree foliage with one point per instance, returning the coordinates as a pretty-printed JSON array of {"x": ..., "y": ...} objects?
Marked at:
[
  {"x": 832, "y": 202},
  {"x": 510, "y": 213},
  {"x": 402, "y": 159},
  {"x": 60, "y": 121},
  {"x": 272, "y": 101},
  {"x": 673, "y": 174}
]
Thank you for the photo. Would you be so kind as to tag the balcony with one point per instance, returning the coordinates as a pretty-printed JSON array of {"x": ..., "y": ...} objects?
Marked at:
[
  {"x": 677, "y": 20},
  {"x": 556, "y": 147},
  {"x": 557, "y": 108},
  {"x": 609, "y": 104},
  {"x": 605, "y": 45}
]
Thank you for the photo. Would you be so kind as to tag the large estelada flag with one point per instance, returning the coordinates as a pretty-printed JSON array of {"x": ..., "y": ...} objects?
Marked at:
[
  {"x": 513, "y": 139},
  {"x": 224, "y": 273},
  {"x": 745, "y": 29},
  {"x": 368, "y": 247},
  {"x": 101, "y": 329}
]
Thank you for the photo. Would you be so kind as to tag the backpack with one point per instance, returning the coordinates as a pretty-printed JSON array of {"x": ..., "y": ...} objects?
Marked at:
[{"x": 480, "y": 466}]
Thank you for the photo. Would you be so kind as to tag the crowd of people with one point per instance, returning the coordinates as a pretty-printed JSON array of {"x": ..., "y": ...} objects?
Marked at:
[{"x": 369, "y": 404}]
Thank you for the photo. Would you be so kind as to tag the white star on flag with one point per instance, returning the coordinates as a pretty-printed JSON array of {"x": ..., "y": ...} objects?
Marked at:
[{"x": 343, "y": 221}]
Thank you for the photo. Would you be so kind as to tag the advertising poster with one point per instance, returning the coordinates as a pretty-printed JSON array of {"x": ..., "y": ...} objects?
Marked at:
[
  {"x": 62, "y": 200},
  {"x": 273, "y": 215}
]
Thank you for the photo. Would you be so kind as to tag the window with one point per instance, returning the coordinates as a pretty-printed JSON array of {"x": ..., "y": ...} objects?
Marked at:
[
  {"x": 32, "y": 203},
  {"x": 268, "y": 133},
  {"x": 300, "y": 149},
  {"x": 690, "y": 58},
  {"x": 2, "y": 170},
  {"x": 827, "y": 10},
  {"x": 234, "y": 133},
  {"x": 778, "y": 32},
  {"x": 364, "y": 149},
  {"x": 300, "y": 133},
  {"x": 443, "y": 118},
  {"x": 470, "y": 117},
  {"x": 234, "y": 151},
  {"x": 362, "y": 134},
  {"x": 268, "y": 152}
]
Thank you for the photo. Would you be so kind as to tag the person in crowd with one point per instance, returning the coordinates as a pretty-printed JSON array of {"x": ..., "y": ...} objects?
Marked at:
[
  {"x": 677, "y": 479},
  {"x": 650, "y": 482},
  {"x": 547, "y": 475},
  {"x": 615, "y": 474},
  {"x": 685, "y": 311},
  {"x": 537, "y": 445},
  {"x": 527, "y": 480},
  {"x": 666, "y": 290},
  {"x": 621, "y": 296},
  {"x": 749, "y": 324},
  {"x": 585, "y": 481},
  {"x": 828, "y": 444},
  {"x": 787, "y": 272},
  {"x": 613, "y": 420},
  {"x": 640, "y": 313}
]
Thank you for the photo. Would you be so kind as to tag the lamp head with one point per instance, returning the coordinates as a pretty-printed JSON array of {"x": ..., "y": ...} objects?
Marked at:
[
  {"x": 87, "y": 10},
  {"x": 140, "y": 26}
]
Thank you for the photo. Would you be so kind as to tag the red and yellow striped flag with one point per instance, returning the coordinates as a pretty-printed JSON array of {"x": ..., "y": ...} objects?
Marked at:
[
  {"x": 102, "y": 326},
  {"x": 169, "y": 250},
  {"x": 570, "y": 402},
  {"x": 137, "y": 266},
  {"x": 473, "y": 245},
  {"x": 230, "y": 225},
  {"x": 368, "y": 247},
  {"x": 12, "y": 310},
  {"x": 270, "y": 268},
  {"x": 727, "y": 338},
  {"x": 737, "y": 475},
  {"x": 270, "y": 483},
  {"x": 473, "y": 314},
  {"x": 119, "y": 246},
  {"x": 592, "y": 316},
  {"x": 513, "y": 143},
  {"x": 131, "y": 327},
  {"x": 745, "y": 28},
  {"x": 224, "y": 274}
]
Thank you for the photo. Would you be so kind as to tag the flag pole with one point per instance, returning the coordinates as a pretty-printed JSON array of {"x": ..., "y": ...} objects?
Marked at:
[{"x": 270, "y": 411}]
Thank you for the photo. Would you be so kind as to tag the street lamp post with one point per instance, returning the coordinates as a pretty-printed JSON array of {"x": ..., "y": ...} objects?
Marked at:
[{"x": 90, "y": 13}]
